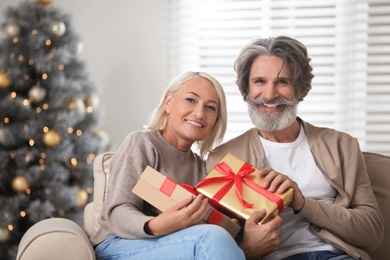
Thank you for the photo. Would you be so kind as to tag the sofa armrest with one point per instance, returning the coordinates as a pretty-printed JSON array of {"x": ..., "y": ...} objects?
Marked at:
[
  {"x": 55, "y": 238},
  {"x": 378, "y": 168}
]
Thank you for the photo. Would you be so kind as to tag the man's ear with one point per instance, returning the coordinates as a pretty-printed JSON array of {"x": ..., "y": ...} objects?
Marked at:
[{"x": 167, "y": 102}]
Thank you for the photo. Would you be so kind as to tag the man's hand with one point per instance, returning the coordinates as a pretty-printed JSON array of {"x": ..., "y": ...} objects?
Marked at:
[
  {"x": 260, "y": 240},
  {"x": 277, "y": 182},
  {"x": 184, "y": 214}
]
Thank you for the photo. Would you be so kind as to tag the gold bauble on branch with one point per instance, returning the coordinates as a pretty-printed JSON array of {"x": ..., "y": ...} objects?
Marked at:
[
  {"x": 4, "y": 234},
  {"x": 58, "y": 28},
  {"x": 105, "y": 139},
  {"x": 82, "y": 197},
  {"x": 76, "y": 103},
  {"x": 45, "y": 2},
  {"x": 48, "y": 192},
  {"x": 4, "y": 80},
  {"x": 11, "y": 29},
  {"x": 2, "y": 135},
  {"x": 20, "y": 184},
  {"x": 79, "y": 48},
  {"x": 51, "y": 138},
  {"x": 37, "y": 93},
  {"x": 92, "y": 101}
]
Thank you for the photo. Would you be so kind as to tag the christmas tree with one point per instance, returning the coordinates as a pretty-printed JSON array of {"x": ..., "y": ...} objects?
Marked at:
[{"x": 49, "y": 122}]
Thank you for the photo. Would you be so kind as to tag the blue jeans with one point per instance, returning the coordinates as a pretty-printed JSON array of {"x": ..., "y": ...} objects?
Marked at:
[
  {"x": 319, "y": 255},
  {"x": 196, "y": 242}
]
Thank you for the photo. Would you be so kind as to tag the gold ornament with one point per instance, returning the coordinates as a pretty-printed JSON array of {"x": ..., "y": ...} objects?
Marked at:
[
  {"x": 37, "y": 93},
  {"x": 103, "y": 136},
  {"x": 58, "y": 28},
  {"x": 79, "y": 48},
  {"x": 82, "y": 197},
  {"x": 51, "y": 138},
  {"x": 4, "y": 80},
  {"x": 48, "y": 192},
  {"x": 45, "y": 2},
  {"x": 20, "y": 184},
  {"x": 76, "y": 104},
  {"x": 4, "y": 234},
  {"x": 12, "y": 29},
  {"x": 91, "y": 102},
  {"x": 2, "y": 135}
]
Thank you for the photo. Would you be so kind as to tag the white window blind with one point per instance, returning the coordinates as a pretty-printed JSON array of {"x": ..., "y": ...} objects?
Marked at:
[{"x": 348, "y": 41}]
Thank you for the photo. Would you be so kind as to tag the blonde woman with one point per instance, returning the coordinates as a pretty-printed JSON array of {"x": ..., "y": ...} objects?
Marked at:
[{"x": 192, "y": 110}]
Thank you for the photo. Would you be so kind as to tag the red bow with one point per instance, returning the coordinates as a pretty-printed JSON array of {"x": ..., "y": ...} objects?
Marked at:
[{"x": 237, "y": 180}]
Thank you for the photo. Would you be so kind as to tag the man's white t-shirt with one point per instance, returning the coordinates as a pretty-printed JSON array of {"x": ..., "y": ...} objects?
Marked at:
[{"x": 296, "y": 161}]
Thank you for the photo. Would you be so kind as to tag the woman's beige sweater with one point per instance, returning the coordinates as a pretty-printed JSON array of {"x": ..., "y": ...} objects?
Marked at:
[{"x": 124, "y": 214}]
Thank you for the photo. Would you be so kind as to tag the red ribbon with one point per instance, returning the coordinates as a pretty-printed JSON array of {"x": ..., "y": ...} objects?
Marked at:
[
  {"x": 237, "y": 179},
  {"x": 190, "y": 188},
  {"x": 168, "y": 186},
  {"x": 215, "y": 217}
]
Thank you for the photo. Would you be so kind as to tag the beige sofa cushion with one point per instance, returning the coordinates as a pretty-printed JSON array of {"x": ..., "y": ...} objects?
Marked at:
[
  {"x": 55, "y": 238},
  {"x": 378, "y": 168},
  {"x": 101, "y": 174}
]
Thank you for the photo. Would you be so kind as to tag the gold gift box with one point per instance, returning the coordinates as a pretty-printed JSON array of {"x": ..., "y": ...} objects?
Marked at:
[
  {"x": 231, "y": 202},
  {"x": 163, "y": 193}
]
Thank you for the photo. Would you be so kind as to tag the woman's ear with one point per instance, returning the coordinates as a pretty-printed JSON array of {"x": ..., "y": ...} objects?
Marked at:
[{"x": 167, "y": 102}]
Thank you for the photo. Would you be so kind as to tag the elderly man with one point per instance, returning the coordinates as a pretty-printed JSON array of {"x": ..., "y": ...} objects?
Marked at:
[{"x": 334, "y": 213}]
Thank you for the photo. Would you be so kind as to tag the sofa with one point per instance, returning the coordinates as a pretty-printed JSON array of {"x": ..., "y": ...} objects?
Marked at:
[{"x": 60, "y": 238}]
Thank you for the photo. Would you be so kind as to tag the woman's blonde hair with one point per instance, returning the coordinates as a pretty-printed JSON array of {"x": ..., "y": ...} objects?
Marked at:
[{"x": 158, "y": 119}]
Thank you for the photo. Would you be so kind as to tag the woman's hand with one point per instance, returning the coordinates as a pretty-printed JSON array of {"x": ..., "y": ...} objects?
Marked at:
[
  {"x": 182, "y": 215},
  {"x": 277, "y": 182}
]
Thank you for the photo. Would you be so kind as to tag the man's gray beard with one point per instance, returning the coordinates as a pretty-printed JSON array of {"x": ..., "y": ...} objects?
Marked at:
[{"x": 272, "y": 121}]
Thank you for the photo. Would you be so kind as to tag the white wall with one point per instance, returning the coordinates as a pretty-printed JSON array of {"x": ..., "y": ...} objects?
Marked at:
[{"x": 124, "y": 52}]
